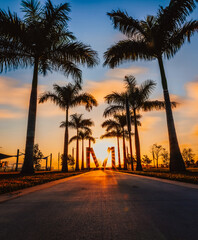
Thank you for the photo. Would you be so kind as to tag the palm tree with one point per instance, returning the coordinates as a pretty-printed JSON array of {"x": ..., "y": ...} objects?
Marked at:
[
  {"x": 77, "y": 122},
  {"x": 41, "y": 40},
  {"x": 67, "y": 97},
  {"x": 154, "y": 38},
  {"x": 115, "y": 126},
  {"x": 138, "y": 98},
  {"x": 83, "y": 135},
  {"x": 115, "y": 132}
]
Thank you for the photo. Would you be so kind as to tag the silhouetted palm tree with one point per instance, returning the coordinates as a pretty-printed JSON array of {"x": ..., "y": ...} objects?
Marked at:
[
  {"x": 41, "y": 40},
  {"x": 154, "y": 38},
  {"x": 67, "y": 97},
  {"x": 77, "y": 122},
  {"x": 83, "y": 135},
  {"x": 113, "y": 129},
  {"x": 118, "y": 124},
  {"x": 138, "y": 98}
]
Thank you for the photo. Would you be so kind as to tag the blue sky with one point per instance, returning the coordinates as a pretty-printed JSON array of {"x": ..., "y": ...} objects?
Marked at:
[{"x": 90, "y": 24}]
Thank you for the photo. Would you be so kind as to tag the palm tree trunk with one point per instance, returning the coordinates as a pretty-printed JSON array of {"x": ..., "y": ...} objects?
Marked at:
[
  {"x": 124, "y": 152},
  {"x": 137, "y": 144},
  {"x": 176, "y": 160},
  {"x": 77, "y": 153},
  {"x": 119, "y": 162},
  {"x": 82, "y": 166},
  {"x": 65, "y": 152},
  {"x": 28, "y": 161},
  {"x": 129, "y": 130}
]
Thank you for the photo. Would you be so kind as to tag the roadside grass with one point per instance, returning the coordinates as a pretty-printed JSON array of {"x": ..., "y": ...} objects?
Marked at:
[
  {"x": 10, "y": 182},
  {"x": 190, "y": 176}
]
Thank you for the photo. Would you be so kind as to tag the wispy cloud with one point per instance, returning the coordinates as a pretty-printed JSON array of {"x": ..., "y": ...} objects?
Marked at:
[
  {"x": 13, "y": 93},
  {"x": 120, "y": 73},
  {"x": 8, "y": 114},
  {"x": 16, "y": 96}
]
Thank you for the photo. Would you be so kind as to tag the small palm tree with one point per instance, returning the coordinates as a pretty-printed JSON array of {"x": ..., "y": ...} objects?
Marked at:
[
  {"x": 77, "y": 122},
  {"x": 138, "y": 98},
  {"x": 115, "y": 132},
  {"x": 67, "y": 97},
  {"x": 41, "y": 40},
  {"x": 118, "y": 124},
  {"x": 83, "y": 135},
  {"x": 154, "y": 38}
]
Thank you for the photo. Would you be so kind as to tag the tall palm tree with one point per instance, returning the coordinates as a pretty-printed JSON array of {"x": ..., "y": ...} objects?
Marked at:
[
  {"x": 138, "y": 98},
  {"x": 113, "y": 130},
  {"x": 42, "y": 40},
  {"x": 83, "y": 135},
  {"x": 77, "y": 122},
  {"x": 67, "y": 97},
  {"x": 154, "y": 38}
]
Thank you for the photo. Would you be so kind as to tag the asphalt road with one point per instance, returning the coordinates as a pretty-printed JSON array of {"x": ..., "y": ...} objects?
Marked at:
[{"x": 103, "y": 206}]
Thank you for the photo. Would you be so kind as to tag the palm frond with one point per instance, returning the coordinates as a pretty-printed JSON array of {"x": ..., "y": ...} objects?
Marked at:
[
  {"x": 127, "y": 25},
  {"x": 78, "y": 53},
  {"x": 32, "y": 10},
  {"x": 67, "y": 67},
  {"x": 179, "y": 36},
  {"x": 127, "y": 50},
  {"x": 85, "y": 99},
  {"x": 115, "y": 98},
  {"x": 111, "y": 134},
  {"x": 157, "y": 105},
  {"x": 146, "y": 88},
  {"x": 113, "y": 109},
  {"x": 53, "y": 98},
  {"x": 175, "y": 13},
  {"x": 130, "y": 82},
  {"x": 72, "y": 139},
  {"x": 56, "y": 14}
]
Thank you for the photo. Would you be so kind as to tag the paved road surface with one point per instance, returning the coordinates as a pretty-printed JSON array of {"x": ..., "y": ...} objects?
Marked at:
[{"x": 103, "y": 206}]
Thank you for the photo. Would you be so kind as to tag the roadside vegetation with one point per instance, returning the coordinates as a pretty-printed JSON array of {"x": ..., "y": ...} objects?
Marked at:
[
  {"x": 10, "y": 182},
  {"x": 190, "y": 176}
]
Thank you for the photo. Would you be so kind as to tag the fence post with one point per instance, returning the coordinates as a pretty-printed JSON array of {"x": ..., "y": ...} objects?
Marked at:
[
  {"x": 58, "y": 160},
  {"x": 51, "y": 162},
  {"x": 17, "y": 160},
  {"x": 46, "y": 163}
]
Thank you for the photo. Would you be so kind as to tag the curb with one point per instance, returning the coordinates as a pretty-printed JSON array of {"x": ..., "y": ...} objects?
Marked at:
[{"x": 182, "y": 184}]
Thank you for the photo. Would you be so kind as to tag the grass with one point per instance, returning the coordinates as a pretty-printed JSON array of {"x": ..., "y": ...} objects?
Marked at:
[
  {"x": 15, "y": 181},
  {"x": 190, "y": 176}
]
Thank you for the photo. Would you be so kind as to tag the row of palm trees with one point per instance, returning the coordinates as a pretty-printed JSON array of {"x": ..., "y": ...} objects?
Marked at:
[
  {"x": 41, "y": 39},
  {"x": 156, "y": 37},
  {"x": 65, "y": 98},
  {"x": 136, "y": 98}
]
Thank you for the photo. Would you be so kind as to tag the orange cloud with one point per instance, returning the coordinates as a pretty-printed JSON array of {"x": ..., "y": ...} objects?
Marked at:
[
  {"x": 100, "y": 89},
  {"x": 120, "y": 73},
  {"x": 14, "y": 94},
  {"x": 6, "y": 114}
]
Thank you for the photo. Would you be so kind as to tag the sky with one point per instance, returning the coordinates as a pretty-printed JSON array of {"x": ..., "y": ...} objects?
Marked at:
[{"x": 91, "y": 25}]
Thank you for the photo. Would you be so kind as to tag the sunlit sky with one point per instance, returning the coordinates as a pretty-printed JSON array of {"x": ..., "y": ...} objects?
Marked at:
[{"x": 90, "y": 24}]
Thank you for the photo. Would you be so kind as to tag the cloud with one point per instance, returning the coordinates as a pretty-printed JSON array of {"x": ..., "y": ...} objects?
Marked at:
[
  {"x": 190, "y": 104},
  {"x": 15, "y": 96},
  {"x": 13, "y": 93},
  {"x": 113, "y": 82},
  {"x": 149, "y": 122},
  {"x": 100, "y": 89},
  {"x": 7, "y": 114},
  {"x": 120, "y": 73}
]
